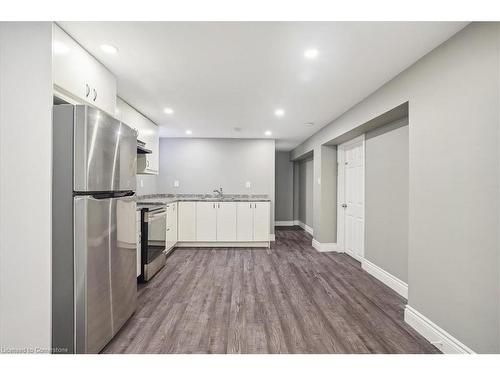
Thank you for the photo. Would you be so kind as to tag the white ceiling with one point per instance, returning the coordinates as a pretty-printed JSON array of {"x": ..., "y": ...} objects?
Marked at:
[{"x": 220, "y": 75}]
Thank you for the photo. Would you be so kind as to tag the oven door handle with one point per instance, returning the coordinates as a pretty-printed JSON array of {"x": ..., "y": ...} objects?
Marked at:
[{"x": 152, "y": 217}]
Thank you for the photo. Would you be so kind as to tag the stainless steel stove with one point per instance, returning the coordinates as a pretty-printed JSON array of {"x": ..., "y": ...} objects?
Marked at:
[{"x": 153, "y": 238}]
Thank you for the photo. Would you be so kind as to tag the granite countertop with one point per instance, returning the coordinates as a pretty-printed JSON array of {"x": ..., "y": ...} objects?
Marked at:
[{"x": 170, "y": 198}]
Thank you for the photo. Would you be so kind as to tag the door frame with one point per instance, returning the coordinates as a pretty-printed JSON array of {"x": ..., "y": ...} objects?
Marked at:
[{"x": 341, "y": 195}]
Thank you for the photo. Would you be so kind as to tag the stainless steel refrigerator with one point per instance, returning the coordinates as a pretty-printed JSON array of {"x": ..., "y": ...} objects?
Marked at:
[{"x": 94, "y": 229}]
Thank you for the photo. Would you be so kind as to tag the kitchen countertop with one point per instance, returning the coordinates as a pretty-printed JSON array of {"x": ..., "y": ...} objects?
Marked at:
[{"x": 170, "y": 198}]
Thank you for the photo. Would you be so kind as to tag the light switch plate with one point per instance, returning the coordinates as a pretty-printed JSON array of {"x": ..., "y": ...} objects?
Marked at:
[
  {"x": 176, "y": 183},
  {"x": 142, "y": 182},
  {"x": 247, "y": 185}
]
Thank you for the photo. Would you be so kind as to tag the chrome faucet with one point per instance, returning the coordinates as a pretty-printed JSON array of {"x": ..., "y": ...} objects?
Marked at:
[{"x": 219, "y": 193}]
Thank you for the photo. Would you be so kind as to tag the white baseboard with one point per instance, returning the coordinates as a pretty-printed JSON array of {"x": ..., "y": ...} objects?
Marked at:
[
  {"x": 304, "y": 226},
  {"x": 391, "y": 281},
  {"x": 290, "y": 223},
  {"x": 222, "y": 244},
  {"x": 325, "y": 246},
  {"x": 435, "y": 334},
  {"x": 272, "y": 237}
]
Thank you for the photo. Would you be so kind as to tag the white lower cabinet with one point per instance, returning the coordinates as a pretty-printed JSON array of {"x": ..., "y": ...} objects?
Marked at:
[
  {"x": 206, "y": 221},
  {"x": 226, "y": 221},
  {"x": 253, "y": 221},
  {"x": 138, "y": 233},
  {"x": 261, "y": 220},
  {"x": 186, "y": 221},
  {"x": 209, "y": 222},
  {"x": 171, "y": 236},
  {"x": 244, "y": 228}
]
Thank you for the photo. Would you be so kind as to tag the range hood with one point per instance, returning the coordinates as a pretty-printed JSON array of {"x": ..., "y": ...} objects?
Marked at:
[{"x": 141, "y": 148}]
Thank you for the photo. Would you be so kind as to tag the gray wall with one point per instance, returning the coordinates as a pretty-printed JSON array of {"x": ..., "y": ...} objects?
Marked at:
[
  {"x": 202, "y": 165},
  {"x": 386, "y": 198},
  {"x": 296, "y": 195},
  {"x": 305, "y": 188},
  {"x": 325, "y": 194},
  {"x": 284, "y": 187},
  {"x": 25, "y": 184},
  {"x": 453, "y": 259}
]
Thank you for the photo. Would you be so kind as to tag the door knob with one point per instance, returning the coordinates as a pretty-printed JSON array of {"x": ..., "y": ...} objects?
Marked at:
[{"x": 344, "y": 205}]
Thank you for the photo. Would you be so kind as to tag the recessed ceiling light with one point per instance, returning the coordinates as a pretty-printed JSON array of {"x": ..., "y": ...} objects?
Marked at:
[
  {"x": 108, "y": 48},
  {"x": 189, "y": 132},
  {"x": 60, "y": 48},
  {"x": 309, "y": 124},
  {"x": 168, "y": 111},
  {"x": 311, "y": 53},
  {"x": 268, "y": 133},
  {"x": 279, "y": 112}
]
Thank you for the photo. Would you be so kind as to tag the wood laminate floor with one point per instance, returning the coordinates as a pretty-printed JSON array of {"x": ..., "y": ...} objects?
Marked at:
[{"x": 287, "y": 299}]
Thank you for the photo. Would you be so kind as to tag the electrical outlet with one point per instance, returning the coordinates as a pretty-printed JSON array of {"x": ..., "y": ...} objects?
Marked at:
[
  {"x": 248, "y": 185},
  {"x": 176, "y": 183}
]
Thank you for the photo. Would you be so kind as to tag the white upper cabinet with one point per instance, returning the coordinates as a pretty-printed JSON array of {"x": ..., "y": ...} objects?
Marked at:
[
  {"x": 79, "y": 76},
  {"x": 147, "y": 132}
]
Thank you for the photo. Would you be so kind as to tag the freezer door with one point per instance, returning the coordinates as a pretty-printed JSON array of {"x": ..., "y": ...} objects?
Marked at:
[
  {"x": 105, "y": 152},
  {"x": 105, "y": 269}
]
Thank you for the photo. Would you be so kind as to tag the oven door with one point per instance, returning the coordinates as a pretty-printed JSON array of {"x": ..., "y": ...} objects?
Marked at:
[{"x": 156, "y": 221}]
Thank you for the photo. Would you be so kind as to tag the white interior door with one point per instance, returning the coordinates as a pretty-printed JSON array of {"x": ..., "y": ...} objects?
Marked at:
[{"x": 351, "y": 198}]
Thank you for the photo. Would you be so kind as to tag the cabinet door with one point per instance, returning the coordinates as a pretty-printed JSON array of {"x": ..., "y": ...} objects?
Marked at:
[
  {"x": 187, "y": 221},
  {"x": 138, "y": 233},
  {"x": 261, "y": 225},
  {"x": 147, "y": 132},
  {"x": 153, "y": 143},
  {"x": 226, "y": 221},
  {"x": 171, "y": 225},
  {"x": 244, "y": 221},
  {"x": 103, "y": 92},
  {"x": 80, "y": 75},
  {"x": 173, "y": 230},
  {"x": 168, "y": 236},
  {"x": 206, "y": 224}
]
